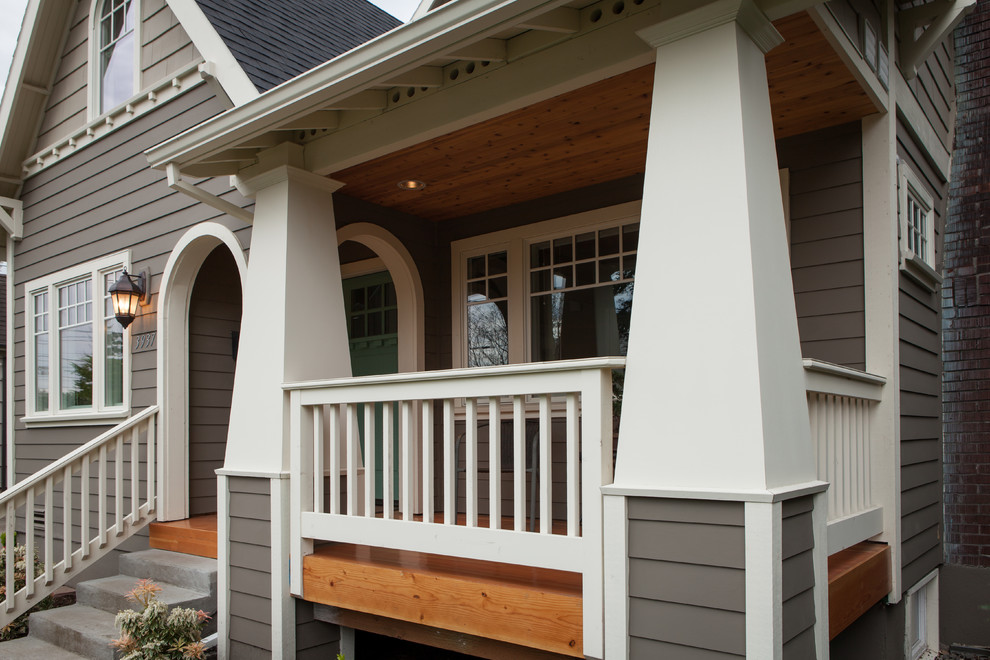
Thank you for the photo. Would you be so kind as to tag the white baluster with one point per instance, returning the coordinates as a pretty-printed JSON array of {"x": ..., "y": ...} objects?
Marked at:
[
  {"x": 316, "y": 412},
  {"x": 449, "y": 465},
  {"x": 388, "y": 499},
  {"x": 471, "y": 462},
  {"x": 427, "y": 461},
  {"x": 9, "y": 557},
  {"x": 118, "y": 485},
  {"x": 369, "y": 460},
  {"x": 29, "y": 533},
  {"x": 574, "y": 466},
  {"x": 49, "y": 529},
  {"x": 334, "y": 459},
  {"x": 66, "y": 518},
  {"x": 101, "y": 497},
  {"x": 408, "y": 453},
  {"x": 85, "y": 539},
  {"x": 135, "y": 474},
  {"x": 351, "y": 430},
  {"x": 519, "y": 464},
  {"x": 152, "y": 449},
  {"x": 494, "y": 463},
  {"x": 546, "y": 479}
]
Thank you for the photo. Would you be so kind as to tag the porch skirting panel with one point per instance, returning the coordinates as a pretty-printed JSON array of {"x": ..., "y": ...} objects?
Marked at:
[
  {"x": 250, "y": 581},
  {"x": 686, "y": 585}
]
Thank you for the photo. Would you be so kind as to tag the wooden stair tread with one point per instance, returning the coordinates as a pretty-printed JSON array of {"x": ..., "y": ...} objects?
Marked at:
[
  {"x": 858, "y": 578},
  {"x": 192, "y": 536},
  {"x": 537, "y": 608}
]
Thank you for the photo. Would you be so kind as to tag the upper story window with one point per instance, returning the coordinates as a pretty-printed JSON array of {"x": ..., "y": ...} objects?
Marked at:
[
  {"x": 554, "y": 290},
  {"x": 77, "y": 365},
  {"x": 916, "y": 209},
  {"x": 117, "y": 51}
]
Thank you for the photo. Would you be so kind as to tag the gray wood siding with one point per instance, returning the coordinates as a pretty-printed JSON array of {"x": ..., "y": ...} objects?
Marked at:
[
  {"x": 250, "y": 568},
  {"x": 102, "y": 200},
  {"x": 919, "y": 323},
  {"x": 214, "y": 314},
  {"x": 687, "y": 590},
  {"x": 65, "y": 111},
  {"x": 826, "y": 212},
  {"x": 798, "y": 579},
  {"x": 165, "y": 46}
]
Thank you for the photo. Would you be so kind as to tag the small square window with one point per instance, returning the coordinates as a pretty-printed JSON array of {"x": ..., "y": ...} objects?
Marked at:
[{"x": 916, "y": 210}]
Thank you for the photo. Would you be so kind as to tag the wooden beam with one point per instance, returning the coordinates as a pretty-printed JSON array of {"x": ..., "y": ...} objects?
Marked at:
[
  {"x": 424, "y": 76},
  {"x": 858, "y": 579},
  {"x": 319, "y": 120},
  {"x": 481, "y": 647},
  {"x": 531, "y": 607},
  {"x": 193, "y": 536},
  {"x": 371, "y": 99},
  {"x": 563, "y": 20},
  {"x": 487, "y": 50}
]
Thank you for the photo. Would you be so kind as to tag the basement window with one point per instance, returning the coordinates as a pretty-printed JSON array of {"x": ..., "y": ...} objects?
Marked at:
[{"x": 921, "y": 629}]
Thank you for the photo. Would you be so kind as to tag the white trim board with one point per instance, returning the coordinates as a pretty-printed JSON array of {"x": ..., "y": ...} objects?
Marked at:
[{"x": 228, "y": 72}]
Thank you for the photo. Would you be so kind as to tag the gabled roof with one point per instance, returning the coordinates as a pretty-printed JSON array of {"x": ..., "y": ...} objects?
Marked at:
[{"x": 276, "y": 40}]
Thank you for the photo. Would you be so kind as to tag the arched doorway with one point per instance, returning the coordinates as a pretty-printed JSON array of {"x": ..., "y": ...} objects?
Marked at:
[
  {"x": 214, "y": 330},
  {"x": 184, "y": 327}
]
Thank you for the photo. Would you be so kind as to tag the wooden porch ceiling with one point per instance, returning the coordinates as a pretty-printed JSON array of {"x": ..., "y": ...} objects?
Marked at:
[{"x": 591, "y": 135}]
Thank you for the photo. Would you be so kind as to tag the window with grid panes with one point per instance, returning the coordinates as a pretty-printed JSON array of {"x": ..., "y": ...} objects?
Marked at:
[
  {"x": 117, "y": 52},
  {"x": 76, "y": 357},
  {"x": 580, "y": 290},
  {"x": 487, "y": 309}
]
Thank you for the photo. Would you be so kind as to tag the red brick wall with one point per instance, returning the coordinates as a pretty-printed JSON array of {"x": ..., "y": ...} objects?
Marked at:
[{"x": 966, "y": 305}]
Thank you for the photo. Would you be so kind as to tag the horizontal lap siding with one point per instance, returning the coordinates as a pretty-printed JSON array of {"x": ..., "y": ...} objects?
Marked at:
[
  {"x": 919, "y": 324},
  {"x": 250, "y": 567},
  {"x": 826, "y": 232},
  {"x": 102, "y": 200},
  {"x": 65, "y": 110},
  {"x": 686, "y": 579},
  {"x": 798, "y": 579},
  {"x": 165, "y": 46}
]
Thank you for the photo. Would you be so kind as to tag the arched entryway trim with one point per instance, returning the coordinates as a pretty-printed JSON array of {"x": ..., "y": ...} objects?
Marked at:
[
  {"x": 408, "y": 288},
  {"x": 174, "y": 296}
]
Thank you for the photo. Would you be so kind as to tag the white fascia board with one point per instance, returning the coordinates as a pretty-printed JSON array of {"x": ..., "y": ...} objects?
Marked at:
[
  {"x": 213, "y": 48},
  {"x": 454, "y": 25},
  {"x": 15, "y": 76}
]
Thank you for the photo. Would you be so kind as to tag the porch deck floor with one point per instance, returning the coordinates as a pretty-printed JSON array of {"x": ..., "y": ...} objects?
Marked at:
[
  {"x": 536, "y": 608},
  {"x": 193, "y": 536}
]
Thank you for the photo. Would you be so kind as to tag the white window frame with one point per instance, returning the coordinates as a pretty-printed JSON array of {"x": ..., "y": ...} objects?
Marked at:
[
  {"x": 100, "y": 412},
  {"x": 95, "y": 74},
  {"x": 516, "y": 242},
  {"x": 920, "y": 267},
  {"x": 923, "y": 642}
]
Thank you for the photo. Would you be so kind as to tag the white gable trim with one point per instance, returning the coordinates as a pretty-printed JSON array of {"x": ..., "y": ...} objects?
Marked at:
[{"x": 213, "y": 48}]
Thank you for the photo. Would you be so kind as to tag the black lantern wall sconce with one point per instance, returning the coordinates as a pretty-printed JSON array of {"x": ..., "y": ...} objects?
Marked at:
[{"x": 126, "y": 294}]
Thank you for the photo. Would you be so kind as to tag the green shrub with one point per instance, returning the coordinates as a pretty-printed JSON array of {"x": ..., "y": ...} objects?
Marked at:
[
  {"x": 155, "y": 633},
  {"x": 19, "y": 626}
]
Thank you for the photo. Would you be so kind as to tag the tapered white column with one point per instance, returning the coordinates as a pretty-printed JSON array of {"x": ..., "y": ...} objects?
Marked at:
[
  {"x": 293, "y": 324},
  {"x": 714, "y": 392}
]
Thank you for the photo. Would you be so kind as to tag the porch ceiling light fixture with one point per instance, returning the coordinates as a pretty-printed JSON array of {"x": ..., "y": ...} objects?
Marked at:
[
  {"x": 411, "y": 184},
  {"x": 125, "y": 295}
]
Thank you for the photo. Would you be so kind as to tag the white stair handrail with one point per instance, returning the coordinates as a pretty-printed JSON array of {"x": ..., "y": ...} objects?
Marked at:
[{"x": 78, "y": 554}]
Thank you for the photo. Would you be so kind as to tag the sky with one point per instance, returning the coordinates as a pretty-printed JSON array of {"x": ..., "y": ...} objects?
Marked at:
[{"x": 12, "y": 12}]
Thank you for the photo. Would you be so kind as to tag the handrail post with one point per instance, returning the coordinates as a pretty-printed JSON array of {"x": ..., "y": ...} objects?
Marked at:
[
  {"x": 596, "y": 440},
  {"x": 300, "y": 485}
]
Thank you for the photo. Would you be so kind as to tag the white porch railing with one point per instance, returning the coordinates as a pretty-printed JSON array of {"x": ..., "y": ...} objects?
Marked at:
[
  {"x": 333, "y": 476},
  {"x": 114, "y": 461},
  {"x": 841, "y": 404}
]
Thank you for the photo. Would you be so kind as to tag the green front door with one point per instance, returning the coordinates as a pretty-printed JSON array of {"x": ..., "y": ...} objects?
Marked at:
[{"x": 372, "y": 328}]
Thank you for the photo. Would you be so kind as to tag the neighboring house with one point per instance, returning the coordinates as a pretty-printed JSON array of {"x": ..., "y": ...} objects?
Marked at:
[
  {"x": 457, "y": 212},
  {"x": 965, "y": 309}
]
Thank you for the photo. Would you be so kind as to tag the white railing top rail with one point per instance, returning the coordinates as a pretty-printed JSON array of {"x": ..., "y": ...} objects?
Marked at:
[
  {"x": 557, "y": 366},
  {"x": 75, "y": 454},
  {"x": 828, "y": 378}
]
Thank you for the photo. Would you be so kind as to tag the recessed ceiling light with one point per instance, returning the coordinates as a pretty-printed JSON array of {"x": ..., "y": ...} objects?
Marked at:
[{"x": 411, "y": 184}]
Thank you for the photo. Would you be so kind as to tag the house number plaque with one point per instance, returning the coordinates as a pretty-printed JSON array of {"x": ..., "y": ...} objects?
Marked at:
[{"x": 144, "y": 342}]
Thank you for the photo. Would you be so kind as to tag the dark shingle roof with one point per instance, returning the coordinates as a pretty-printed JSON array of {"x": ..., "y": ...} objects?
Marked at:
[{"x": 275, "y": 40}]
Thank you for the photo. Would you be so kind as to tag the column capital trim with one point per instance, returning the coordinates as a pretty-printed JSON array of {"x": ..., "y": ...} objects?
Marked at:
[
  {"x": 250, "y": 186},
  {"x": 715, "y": 14}
]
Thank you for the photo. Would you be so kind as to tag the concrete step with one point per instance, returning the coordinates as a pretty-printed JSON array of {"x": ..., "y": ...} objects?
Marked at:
[
  {"x": 110, "y": 595},
  {"x": 78, "y": 628},
  {"x": 31, "y": 647},
  {"x": 186, "y": 571}
]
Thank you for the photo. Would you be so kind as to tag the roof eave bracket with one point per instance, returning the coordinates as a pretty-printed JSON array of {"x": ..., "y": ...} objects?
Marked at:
[
  {"x": 941, "y": 17},
  {"x": 175, "y": 182},
  {"x": 12, "y": 217}
]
